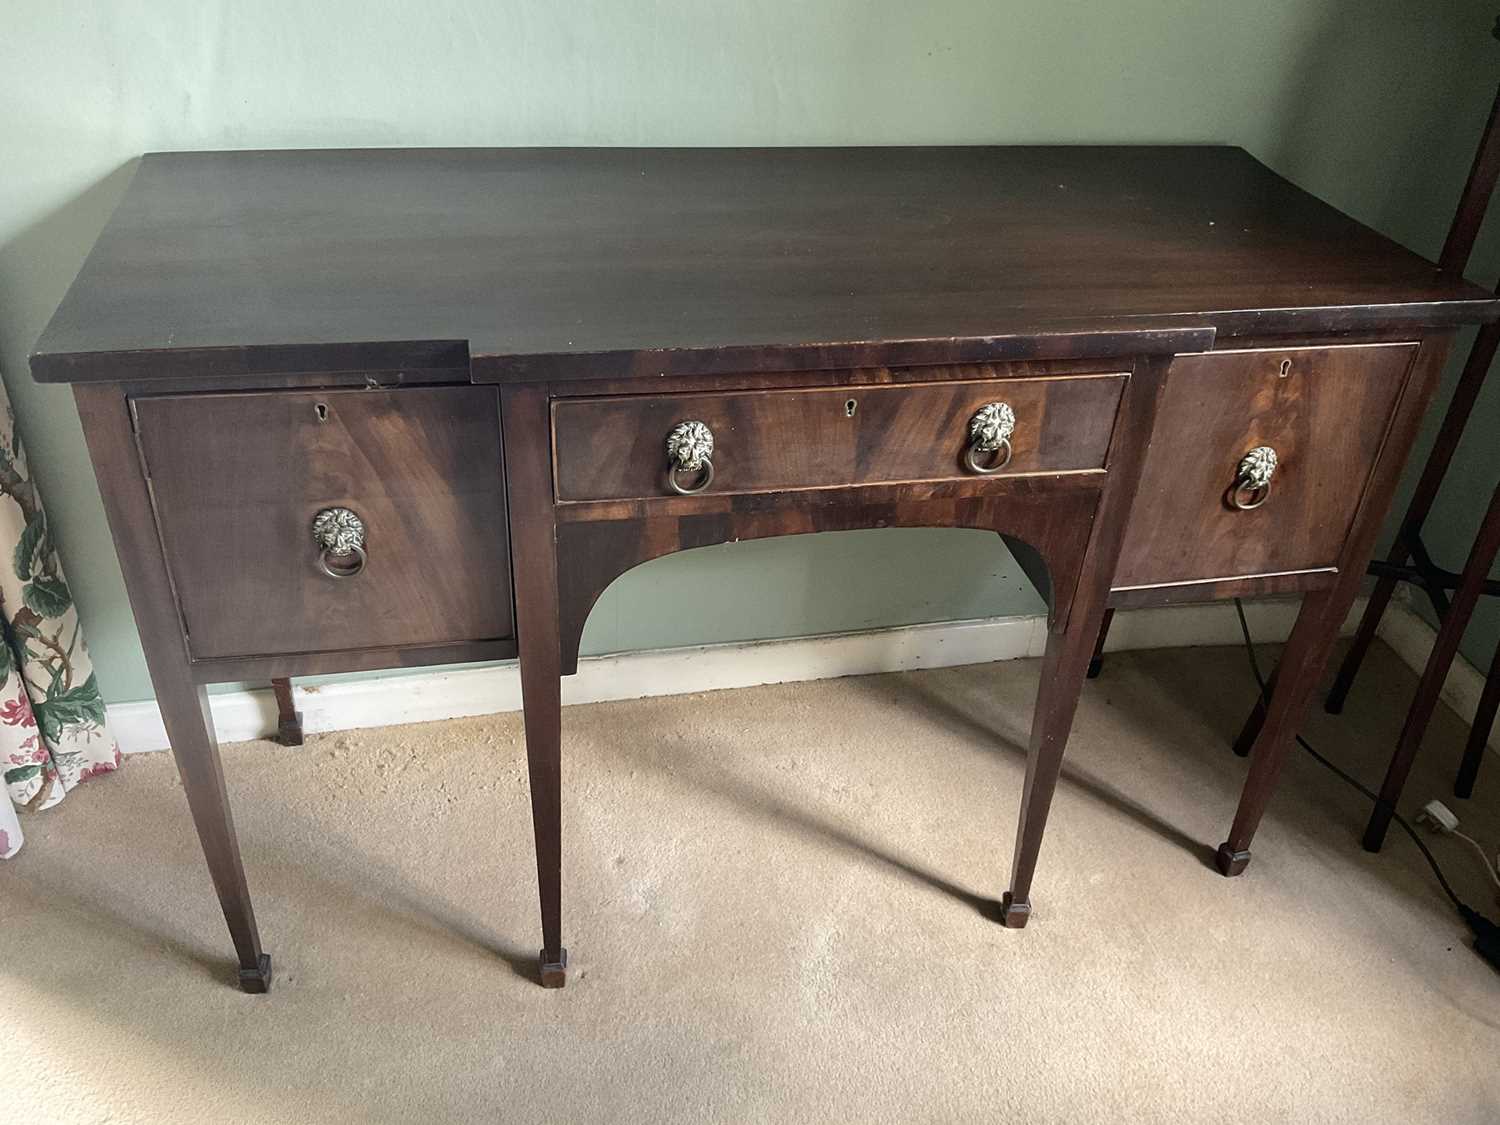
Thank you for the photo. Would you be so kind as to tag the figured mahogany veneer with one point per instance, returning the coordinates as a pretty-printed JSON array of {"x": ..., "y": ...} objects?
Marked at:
[
  {"x": 836, "y": 316},
  {"x": 1325, "y": 411},
  {"x": 766, "y": 441},
  {"x": 236, "y": 480}
]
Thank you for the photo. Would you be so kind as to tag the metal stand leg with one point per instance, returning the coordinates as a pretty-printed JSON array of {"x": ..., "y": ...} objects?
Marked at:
[
  {"x": 1408, "y": 540},
  {"x": 1479, "y": 733},
  {"x": 1450, "y": 632},
  {"x": 1472, "y": 205}
]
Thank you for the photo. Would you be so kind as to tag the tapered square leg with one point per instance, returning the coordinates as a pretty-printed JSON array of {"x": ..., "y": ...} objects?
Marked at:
[
  {"x": 288, "y": 718},
  {"x": 1275, "y": 721},
  {"x": 258, "y": 979},
  {"x": 1014, "y": 915},
  {"x": 1063, "y": 667},
  {"x": 1364, "y": 636},
  {"x": 1375, "y": 828},
  {"x": 190, "y": 728},
  {"x": 534, "y": 551},
  {"x": 183, "y": 702},
  {"x": 1075, "y": 636},
  {"x": 1230, "y": 862},
  {"x": 542, "y": 709},
  {"x": 1096, "y": 663},
  {"x": 1245, "y": 741},
  {"x": 1323, "y": 611}
]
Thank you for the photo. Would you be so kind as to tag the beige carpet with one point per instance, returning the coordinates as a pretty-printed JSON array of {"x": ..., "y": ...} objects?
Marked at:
[{"x": 776, "y": 907}]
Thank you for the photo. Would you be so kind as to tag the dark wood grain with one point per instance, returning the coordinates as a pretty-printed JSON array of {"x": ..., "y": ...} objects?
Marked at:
[
  {"x": 238, "y": 478},
  {"x": 614, "y": 447},
  {"x": 546, "y": 263},
  {"x": 184, "y": 704},
  {"x": 1324, "y": 410},
  {"x": 1051, "y": 513},
  {"x": 1070, "y": 643},
  {"x": 528, "y": 469}
]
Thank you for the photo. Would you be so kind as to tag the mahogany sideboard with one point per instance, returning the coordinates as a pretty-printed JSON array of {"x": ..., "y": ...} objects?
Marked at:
[{"x": 365, "y": 409}]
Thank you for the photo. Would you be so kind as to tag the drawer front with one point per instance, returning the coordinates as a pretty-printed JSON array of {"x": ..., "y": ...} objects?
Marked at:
[
  {"x": 615, "y": 448},
  {"x": 238, "y": 479},
  {"x": 1324, "y": 411}
]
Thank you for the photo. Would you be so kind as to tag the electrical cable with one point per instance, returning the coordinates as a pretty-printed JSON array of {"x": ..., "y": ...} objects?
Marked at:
[
  {"x": 1486, "y": 933},
  {"x": 1484, "y": 856},
  {"x": 1265, "y": 696}
]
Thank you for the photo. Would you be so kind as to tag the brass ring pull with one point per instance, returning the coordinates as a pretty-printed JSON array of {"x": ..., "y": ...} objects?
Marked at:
[
  {"x": 690, "y": 448},
  {"x": 1252, "y": 482},
  {"x": 340, "y": 535},
  {"x": 999, "y": 458},
  {"x": 989, "y": 433},
  {"x": 341, "y": 570}
]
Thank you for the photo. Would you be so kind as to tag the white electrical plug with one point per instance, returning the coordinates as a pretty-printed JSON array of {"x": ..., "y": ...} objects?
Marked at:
[{"x": 1439, "y": 816}]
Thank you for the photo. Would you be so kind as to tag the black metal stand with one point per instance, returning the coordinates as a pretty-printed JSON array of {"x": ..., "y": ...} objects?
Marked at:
[{"x": 1409, "y": 560}]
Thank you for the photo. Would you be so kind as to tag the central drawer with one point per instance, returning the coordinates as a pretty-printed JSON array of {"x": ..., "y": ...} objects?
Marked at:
[{"x": 615, "y": 447}]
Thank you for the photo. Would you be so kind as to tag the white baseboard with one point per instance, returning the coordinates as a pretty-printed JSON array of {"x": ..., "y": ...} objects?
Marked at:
[{"x": 426, "y": 696}]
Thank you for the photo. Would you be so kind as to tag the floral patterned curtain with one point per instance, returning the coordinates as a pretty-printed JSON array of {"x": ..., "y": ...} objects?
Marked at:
[{"x": 53, "y": 733}]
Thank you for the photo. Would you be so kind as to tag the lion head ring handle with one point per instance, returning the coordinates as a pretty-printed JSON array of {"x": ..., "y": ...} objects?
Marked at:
[
  {"x": 989, "y": 437},
  {"x": 340, "y": 536},
  {"x": 1252, "y": 481},
  {"x": 690, "y": 450}
]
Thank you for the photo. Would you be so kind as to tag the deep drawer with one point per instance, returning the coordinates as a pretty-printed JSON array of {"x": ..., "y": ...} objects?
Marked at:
[
  {"x": 1324, "y": 411},
  {"x": 238, "y": 479},
  {"x": 615, "y": 448}
]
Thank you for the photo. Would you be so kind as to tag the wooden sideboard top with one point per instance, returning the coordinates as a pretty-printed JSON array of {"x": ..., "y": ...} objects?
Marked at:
[{"x": 559, "y": 262}]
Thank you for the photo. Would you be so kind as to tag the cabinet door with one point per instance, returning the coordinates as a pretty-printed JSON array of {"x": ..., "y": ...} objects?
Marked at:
[
  {"x": 239, "y": 479},
  {"x": 1324, "y": 411}
]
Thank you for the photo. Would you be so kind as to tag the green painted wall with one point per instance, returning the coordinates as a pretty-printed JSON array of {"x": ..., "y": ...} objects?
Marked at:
[{"x": 1374, "y": 105}]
